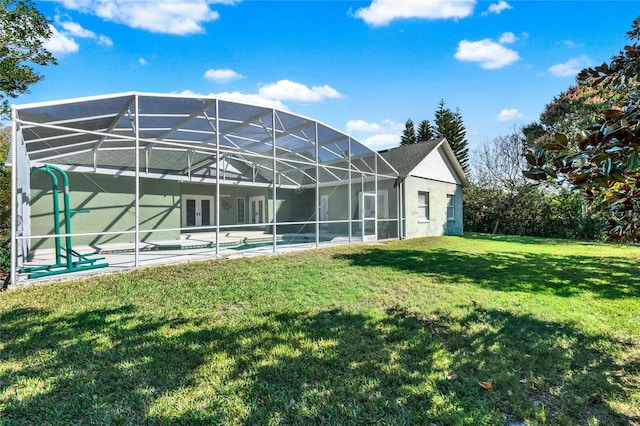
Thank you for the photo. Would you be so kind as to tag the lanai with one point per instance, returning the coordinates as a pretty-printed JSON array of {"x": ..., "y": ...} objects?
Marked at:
[{"x": 150, "y": 169}]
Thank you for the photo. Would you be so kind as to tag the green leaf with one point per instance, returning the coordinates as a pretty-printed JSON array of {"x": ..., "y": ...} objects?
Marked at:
[
  {"x": 634, "y": 161},
  {"x": 613, "y": 113},
  {"x": 535, "y": 174},
  {"x": 618, "y": 177},
  {"x": 561, "y": 139},
  {"x": 554, "y": 147},
  {"x": 607, "y": 166},
  {"x": 531, "y": 159}
]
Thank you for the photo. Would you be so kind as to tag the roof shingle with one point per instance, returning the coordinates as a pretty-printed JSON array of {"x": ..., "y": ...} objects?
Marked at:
[{"x": 405, "y": 158}]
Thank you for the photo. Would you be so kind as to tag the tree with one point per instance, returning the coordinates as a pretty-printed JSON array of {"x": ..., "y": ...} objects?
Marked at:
[
  {"x": 425, "y": 131},
  {"x": 568, "y": 113},
  {"x": 501, "y": 200},
  {"x": 409, "y": 134},
  {"x": 5, "y": 200},
  {"x": 540, "y": 214},
  {"x": 450, "y": 126},
  {"x": 602, "y": 162},
  {"x": 497, "y": 168},
  {"x": 23, "y": 31}
]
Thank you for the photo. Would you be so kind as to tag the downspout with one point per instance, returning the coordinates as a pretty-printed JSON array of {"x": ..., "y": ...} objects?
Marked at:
[{"x": 401, "y": 224}]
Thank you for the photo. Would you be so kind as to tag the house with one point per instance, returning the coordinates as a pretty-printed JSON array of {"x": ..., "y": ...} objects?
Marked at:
[
  {"x": 431, "y": 188},
  {"x": 124, "y": 180}
]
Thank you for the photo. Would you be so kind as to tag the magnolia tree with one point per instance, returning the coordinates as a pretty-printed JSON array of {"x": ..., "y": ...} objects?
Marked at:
[{"x": 602, "y": 161}]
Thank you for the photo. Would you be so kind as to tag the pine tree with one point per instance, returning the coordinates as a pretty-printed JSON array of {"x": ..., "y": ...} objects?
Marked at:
[
  {"x": 450, "y": 126},
  {"x": 425, "y": 131},
  {"x": 409, "y": 133}
]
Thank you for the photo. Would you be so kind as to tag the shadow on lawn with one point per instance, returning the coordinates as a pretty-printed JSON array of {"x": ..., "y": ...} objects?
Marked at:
[
  {"x": 606, "y": 277},
  {"x": 330, "y": 367}
]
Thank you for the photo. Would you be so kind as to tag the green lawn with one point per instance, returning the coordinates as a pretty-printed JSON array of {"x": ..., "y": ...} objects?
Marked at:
[{"x": 397, "y": 333}]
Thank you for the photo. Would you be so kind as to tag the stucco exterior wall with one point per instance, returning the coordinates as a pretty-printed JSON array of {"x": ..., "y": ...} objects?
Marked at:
[
  {"x": 110, "y": 201},
  {"x": 111, "y": 204},
  {"x": 437, "y": 224}
]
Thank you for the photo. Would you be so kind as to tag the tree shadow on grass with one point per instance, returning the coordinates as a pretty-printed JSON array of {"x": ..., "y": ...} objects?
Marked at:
[
  {"x": 523, "y": 239},
  {"x": 116, "y": 366},
  {"x": 606, "y": 277}
]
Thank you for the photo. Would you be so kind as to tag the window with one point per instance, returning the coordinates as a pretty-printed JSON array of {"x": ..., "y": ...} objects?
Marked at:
[
  {"x": 240, "y": 210},
  {"x": 423, "y": 206},
  {"x": 451, "y": 207}
]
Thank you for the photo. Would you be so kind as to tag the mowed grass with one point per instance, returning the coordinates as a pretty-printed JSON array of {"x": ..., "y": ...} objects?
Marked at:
[{"x": 451, "y": 330}]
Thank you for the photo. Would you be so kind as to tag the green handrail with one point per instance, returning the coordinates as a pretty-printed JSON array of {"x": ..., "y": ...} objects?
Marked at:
[{"x": 83, "y": 262}]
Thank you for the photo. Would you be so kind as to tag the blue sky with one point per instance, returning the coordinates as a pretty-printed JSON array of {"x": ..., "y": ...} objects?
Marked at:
[{"x": 363, "y": 67}]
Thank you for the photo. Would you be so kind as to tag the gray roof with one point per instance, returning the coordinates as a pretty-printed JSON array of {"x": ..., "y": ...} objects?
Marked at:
[{"x": 405, "y": 158}]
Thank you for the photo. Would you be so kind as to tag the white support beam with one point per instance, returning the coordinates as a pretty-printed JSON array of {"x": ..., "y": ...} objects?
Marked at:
[
  {"x": 14, "y": 198},
  {"x": 137, "y": 178}
]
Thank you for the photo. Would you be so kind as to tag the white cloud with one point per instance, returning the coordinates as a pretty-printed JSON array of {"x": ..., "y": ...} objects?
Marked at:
[
  {"x": 60, "y": 43},
  {"x": 73, "y": 29},
  {"x": 222, "y": 75},
  {"x": 251, "y": 99},
  {"x": 572, "y": 67},
  {"x": 571, "y": 44},
  {"x": 104, "y": 40},
  {"x": 489, "y": 54},
  {"x": 290, "y": 90},
  {"x": 509, "y": 114},
  {"x": 387, "y": 133},
  {"x": 362, "y": 126},
  {"x": 382, "y": 12},
  {"x": 272, "y": 95},
  {"x": 386, "y": 126},
  {"x": 508, "y": 38},
  {"x": 142, "y": 61},
  {"x": 165, "y": 16},
  {"x": 242, "y": 97},
  {"x": 382, "y": 141},
  {"x": 497, "y": 7},
  {"x": 76, "y": 30}
]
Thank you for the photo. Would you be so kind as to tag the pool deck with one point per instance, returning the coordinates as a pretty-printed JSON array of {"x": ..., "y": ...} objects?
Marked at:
[{"x": 190, "y": 247}]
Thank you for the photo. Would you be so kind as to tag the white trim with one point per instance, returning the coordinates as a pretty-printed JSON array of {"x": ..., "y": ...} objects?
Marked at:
[
  {"x": 451, "y": 198},
  {"x": 137, "y": 183},
  {"x": 364, "y": 217},
  {"x": 252, "y": 213},
  {"x": 198, "y": 210},
  {"x": 14, "y": 198},
  {"x": 244, "y": 210},
  {"x": 421, "y": 207}
]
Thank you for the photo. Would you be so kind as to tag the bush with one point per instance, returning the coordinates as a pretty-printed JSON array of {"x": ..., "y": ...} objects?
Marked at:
[
  {"x": 533, "y": 213},
  {"x": 5, "y": 202}
]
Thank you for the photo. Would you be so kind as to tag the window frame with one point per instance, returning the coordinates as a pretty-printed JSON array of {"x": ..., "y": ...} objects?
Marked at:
[
  {"x": 244, "y": 210},
  {"x": 424, "y": 207},
  {"x": 451, "y": 207}
]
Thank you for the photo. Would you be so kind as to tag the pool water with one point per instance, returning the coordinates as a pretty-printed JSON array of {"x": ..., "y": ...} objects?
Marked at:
[{"x": 247, "y": 246}]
